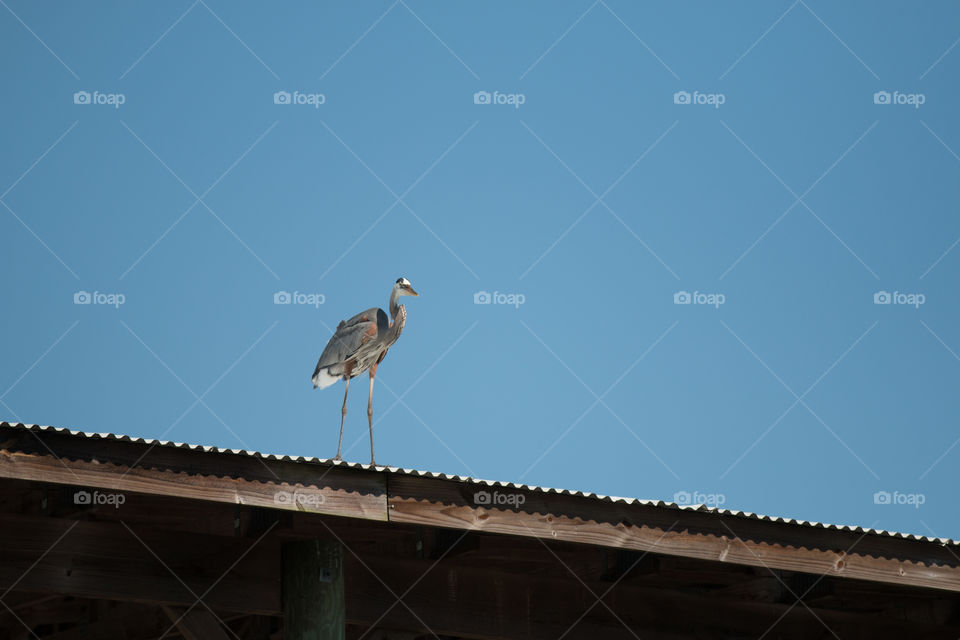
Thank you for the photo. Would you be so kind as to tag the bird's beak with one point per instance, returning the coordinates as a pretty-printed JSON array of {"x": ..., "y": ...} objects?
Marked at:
[{"x": 411, "y": 292}]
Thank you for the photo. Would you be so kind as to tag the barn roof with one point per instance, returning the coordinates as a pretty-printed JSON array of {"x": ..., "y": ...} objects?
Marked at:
[
  {"x": 309, "y": 460},
  {"x": 320, "y": 488}
]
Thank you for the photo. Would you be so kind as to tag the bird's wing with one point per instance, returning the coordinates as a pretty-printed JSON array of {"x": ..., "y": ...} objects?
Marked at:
[
  {"x": 370, "y": 314},
  {"x": 351, "y": 335}
]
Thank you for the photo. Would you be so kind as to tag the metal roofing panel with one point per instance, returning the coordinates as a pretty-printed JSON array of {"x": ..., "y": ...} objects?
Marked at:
[{"x": 479, "y": 481}]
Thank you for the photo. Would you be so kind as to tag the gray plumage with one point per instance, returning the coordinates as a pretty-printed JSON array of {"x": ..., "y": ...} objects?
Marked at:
[
  {"x": 359, "y": 341},
  {"x": 360, "y": 344}
]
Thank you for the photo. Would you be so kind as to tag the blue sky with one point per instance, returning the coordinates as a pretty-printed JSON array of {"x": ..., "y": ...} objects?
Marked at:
[{"x": 777, "y": 165}]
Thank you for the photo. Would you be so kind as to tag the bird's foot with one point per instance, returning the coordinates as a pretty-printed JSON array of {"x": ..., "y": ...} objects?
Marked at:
[
  {"x": 373, "y": 462},
  {"x": 338, "y": 458}
]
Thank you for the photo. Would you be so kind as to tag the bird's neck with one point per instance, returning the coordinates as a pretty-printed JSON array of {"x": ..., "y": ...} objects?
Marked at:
[
  {"x": 399, "y": 319},
  {"x": 394, "y": 303},
  {"x": 398, "y": 314}
]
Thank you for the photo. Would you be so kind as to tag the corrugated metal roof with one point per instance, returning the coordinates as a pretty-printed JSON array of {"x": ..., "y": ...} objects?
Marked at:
[{"x": 479, "y": 481}]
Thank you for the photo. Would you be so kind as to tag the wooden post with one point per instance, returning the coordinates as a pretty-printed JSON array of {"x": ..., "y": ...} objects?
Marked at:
[{"x": 313, "y": 597}]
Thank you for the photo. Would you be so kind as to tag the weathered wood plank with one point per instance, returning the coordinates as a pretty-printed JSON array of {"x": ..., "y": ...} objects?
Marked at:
[
  {"x": 497, "y": 603},
  {"x": 691, "y": 534},
  {"x": 129, "y": 621},
  {"x": 196, "y": 624},
  {"x": 189, "y": 474},
  {"x": 110, "y": 561}
]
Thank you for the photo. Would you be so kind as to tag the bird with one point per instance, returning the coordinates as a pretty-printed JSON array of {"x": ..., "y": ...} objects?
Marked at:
[{"x": 360, "y": 344}]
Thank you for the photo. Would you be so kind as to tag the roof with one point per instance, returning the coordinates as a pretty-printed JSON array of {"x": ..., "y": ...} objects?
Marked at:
[
  {"x": 309, "y": 460},
  {"x": 146, "y": 522}
]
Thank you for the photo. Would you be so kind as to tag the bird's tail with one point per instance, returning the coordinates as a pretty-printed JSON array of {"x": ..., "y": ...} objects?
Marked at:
[{"x": 322, "y": 378}]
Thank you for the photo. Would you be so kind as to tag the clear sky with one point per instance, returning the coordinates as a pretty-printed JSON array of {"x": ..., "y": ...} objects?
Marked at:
[{"x": 591, "y": 166}]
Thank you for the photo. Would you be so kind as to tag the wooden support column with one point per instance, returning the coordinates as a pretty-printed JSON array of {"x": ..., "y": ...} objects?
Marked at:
[{"x": 314, "y": 606}]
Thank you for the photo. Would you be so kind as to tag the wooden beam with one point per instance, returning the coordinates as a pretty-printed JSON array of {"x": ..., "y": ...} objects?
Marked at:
[
  {"x": 687, "y": 533},
  {"x": 138, "y": 564},
  {"x": 314, "y": 603},
  {"x": 196, "y": 624},
  {"x": 103, "y": 619},
  {"x": 456, "y": 594},
  {"x": 122, "y": 467},
  {"x": 497, "y": 603}
]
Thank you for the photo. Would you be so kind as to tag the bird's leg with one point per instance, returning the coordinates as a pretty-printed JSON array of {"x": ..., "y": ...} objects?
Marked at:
[
  {"x": 373, "y": 372},
  {"x": 343, "y": 415}
]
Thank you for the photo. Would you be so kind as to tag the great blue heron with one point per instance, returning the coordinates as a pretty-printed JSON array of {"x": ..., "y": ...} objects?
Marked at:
[{"x": 359, "y": 344}]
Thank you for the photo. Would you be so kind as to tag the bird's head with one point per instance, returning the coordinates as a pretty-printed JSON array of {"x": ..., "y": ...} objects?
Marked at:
[{"x": 404, "y": 288}]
